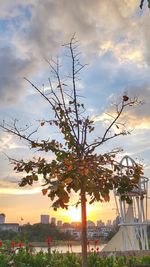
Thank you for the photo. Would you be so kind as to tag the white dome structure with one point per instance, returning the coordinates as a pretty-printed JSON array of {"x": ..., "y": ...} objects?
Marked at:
[{"x": 132, "y": 234}]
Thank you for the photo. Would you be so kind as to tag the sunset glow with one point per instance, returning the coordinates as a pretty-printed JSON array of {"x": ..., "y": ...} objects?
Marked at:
[{"x": 74, "y": 215}]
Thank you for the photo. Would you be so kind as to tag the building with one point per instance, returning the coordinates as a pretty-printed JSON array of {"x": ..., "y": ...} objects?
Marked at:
[
  {"x": 109, "y": 223},
  {"x": 76, "y": 224},
  {"x": 2, "y": 218},
  {"x": 117, "y": 221},
  {"x": 66, "y": 225},
  {"x": 9, "y": 227},
  {"x": 104, "y": 231},
  {"x": 90, "y": 224},
  {"x": 53, "y": 220},
  {"x": 92, "y": 233},
  {"x": 74, "y": 232},
  {"x": 59, "y": 223},
  {"x": 45, "y": 219},
  {"x": 100, "y": 223}
]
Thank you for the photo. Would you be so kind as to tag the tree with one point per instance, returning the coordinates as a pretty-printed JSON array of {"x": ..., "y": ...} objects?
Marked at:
[{"x": 76, "y": 166}]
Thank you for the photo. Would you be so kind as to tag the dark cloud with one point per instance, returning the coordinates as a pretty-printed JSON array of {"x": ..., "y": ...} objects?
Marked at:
[
  {"x": 12, "y": 71},
  {"x": 100, "y": 26},
  {"x": 54, "y": 21}
]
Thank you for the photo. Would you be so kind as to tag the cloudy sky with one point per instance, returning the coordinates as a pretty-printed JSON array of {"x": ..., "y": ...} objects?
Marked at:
[{"x": 114, "y": 39}]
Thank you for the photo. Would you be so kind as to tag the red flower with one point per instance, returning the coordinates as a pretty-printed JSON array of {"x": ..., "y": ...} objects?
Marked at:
[
  {"x": 96, "y": 241},
  {"x": 92, "y": 249},
  {"x": 1, "y": 243},
  {"x": 20, "y": 244},
  {"x": 88, "y": 245},
  {"x": 48, "y": 240},
  {"x": 97, "y": 249},
  {"x": 12, "y": 244}
]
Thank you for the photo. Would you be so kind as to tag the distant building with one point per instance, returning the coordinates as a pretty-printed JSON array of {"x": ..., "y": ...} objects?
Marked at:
[
  {"x": 105, "y": 231},
  {"x": 53, "y": 221},
  {"x": 92, "y": 233},
  {"x": 76, "y": 224},
  {"x": 100, "y": 223},
  {"x": 59, "y": 223},
  {"x": 117, "y": 221},
  {"x": 45, "y": 219},
  {"x": 9, "y": 227},
  {"x": 90, "y": 224},
  {"x": 2, "y": 218},
  {"x": 66, "y": 225},
  {"x": 108, "y": 223},
  {"x": 76, "y": 233}
]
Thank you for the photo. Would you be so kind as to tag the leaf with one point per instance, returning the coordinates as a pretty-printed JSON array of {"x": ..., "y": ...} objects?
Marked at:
[
  {"x": 96, "y": 195},
  {"x": 106, "y": 197},
  {"x": 33, "y": 145},
  {"x": 92, "y": 201},
  {"x": 68, "y": 181},
  {"x": 70, "y": 168},
  {"x": 46, "y": 149},
  {"x": 125, "y": 98},
  {"x": 63, "y": 195},
  {"x": 86, "y": 171},
  {"x": 35, "y": 177},
  {"x": 44, "y": 191}
]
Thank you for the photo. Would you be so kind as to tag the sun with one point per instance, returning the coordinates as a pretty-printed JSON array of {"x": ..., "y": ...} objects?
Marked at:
[{"x": 74, "y": 214}]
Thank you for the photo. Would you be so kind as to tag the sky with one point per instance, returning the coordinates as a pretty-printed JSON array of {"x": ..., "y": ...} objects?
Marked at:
[{"x": 114, "y": 40}]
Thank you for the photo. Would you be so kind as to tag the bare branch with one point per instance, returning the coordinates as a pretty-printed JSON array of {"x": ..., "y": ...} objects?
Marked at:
[
  {"x": 125, "y": 103},
  {"x": 16, "y": 132}
]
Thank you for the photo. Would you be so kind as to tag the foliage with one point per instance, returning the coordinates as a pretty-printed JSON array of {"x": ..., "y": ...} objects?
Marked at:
[
  {"x": 26, "y": 259},
  {"x": 9, "y": 235},
  {"x": 35, "y": 233},
  {"x": 39, "y": 232}
]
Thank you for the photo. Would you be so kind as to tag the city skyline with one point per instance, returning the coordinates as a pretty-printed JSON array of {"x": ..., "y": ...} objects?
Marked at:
[
  {"x": 67, "y": 216},
  {"x": 118, "y": 59},
  {"x": 47, "y": 219}
]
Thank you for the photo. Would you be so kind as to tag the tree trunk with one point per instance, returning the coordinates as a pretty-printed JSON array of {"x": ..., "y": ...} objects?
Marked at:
[{"x": 83, "y": 227}]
